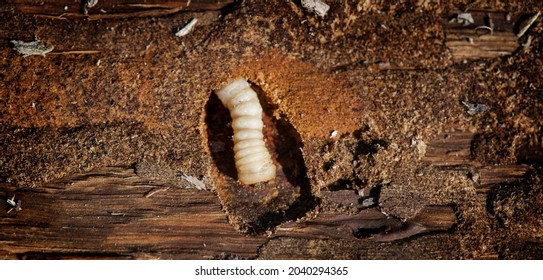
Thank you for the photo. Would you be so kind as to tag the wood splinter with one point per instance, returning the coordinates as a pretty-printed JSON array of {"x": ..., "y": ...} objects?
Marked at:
[{"x": 14, "y": 204}]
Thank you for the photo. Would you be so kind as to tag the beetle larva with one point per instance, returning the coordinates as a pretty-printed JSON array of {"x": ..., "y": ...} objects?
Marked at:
[{"x": 253, "y": 160}]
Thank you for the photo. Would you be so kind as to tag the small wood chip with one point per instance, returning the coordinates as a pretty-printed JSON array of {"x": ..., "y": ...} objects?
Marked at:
[
  {"x": 31, "y": 48},
  {"x": 187, "y": 28},
  {"x": 194, "y": 182},
  {"x": 475, "y": 108},
  {"x": 14, "y": 204},
  {"x": 465, "y": 19},
  {"x": 316, "y": 6}
]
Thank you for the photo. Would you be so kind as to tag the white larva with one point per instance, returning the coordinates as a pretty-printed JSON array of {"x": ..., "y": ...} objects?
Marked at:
[{"x": 253, "y": 161}]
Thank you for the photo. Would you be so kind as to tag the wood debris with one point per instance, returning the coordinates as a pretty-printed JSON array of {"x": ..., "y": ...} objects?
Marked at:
[
  {"x": 479, "y": 34},
  {"x": 318, "y": 7},
  {"x": 194, "y": 182},
  {"x": 89, "y": 4},
  {"x": 526, "y": 25},
  {"x": 465, "y": 19},
  {"x": 448, "y": 150},
  {"x": 371, "y": 224},
  {"x": 475, "y": 108},
  {"x": 36, "y": 47},
  {"x": 14, "y": 204},
  {"x": 187, "y": 28}
]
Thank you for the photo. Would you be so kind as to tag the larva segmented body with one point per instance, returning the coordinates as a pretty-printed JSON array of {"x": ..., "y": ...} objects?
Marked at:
[{"x": 253, "y": 160}]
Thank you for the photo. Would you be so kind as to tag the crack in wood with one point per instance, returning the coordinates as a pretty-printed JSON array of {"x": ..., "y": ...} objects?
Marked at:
[{"x": 370, "y": 224}]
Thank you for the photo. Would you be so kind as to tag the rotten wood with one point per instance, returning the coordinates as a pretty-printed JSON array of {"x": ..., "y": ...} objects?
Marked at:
[
  {"x": 113, "y": 9},
  {"x": 450, "y": 149},
  {"x": 453, "y": 150},
  {"x": 98, "y": 214},
  {"x": 342, "y": 197},
  {"x": 371, "y": 224},
  {"x": 479, "y": 34},
  {"x": 490, "y": 176},
  {"x": 109, "y": 213}
]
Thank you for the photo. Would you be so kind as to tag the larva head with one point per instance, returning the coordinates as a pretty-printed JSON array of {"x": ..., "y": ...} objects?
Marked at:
[{"x": 226, "y": 93}]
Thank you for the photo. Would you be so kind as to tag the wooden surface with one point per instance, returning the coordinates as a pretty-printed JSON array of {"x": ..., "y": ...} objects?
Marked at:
[
  {"x": 112, "y": 213},
  {"x": 453, "y": 150},
  {"x": 113, "y": 9},
  {"x": 450, "y": 150},
  {"x": 372, "y": 224},
  {"x": 115, "y": 212}
]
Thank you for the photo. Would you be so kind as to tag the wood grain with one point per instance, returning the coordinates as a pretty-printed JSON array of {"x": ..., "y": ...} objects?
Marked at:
[
  {"x": 113, "y": 9},
  {"x": 112, "y": 213},
  {"x": 370, "y": 223},
  {"x": 490, "y": 35},
  {"x": 450, "y": 149},
  {"x": 453, "y": 150}
]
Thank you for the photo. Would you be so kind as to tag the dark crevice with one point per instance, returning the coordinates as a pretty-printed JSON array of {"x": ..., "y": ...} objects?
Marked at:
[
  {"x": 231, "y": 8},
  {"x": 364, "y": 148},
  {"x": 219, "y": 133},
  {"x": 328, "y": 165},
  {"x": 530, "y": 154},
  {"x": 368, "y": 232},
  {"x": 346, "y": 184},
  {"x": 71, "y": 256}
]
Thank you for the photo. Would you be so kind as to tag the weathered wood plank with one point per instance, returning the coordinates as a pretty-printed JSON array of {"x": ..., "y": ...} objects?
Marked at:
[
  {"x": 112, "y": 213},
  {"x": 113, "y": 9},
  {"x": 479, "y": 34},
  {"x": 450, "y": 149}
]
